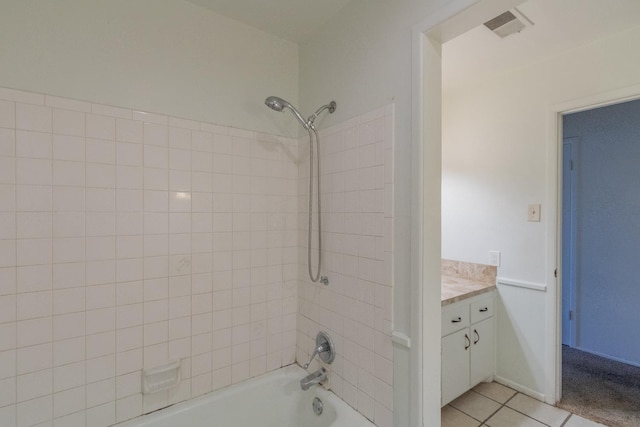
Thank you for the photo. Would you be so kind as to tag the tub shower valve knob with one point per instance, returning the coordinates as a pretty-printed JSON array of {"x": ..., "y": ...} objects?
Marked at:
[{"x": 324, "y": 349}]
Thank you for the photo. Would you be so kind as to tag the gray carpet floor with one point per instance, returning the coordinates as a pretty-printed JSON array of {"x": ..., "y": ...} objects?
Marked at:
[{"x": 600, "y": 389}]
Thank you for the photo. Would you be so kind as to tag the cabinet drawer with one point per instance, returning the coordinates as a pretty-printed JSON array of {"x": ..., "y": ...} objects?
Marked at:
[
  {"x": 455, "y": 318},
  {"x": 482, "y": 309}
]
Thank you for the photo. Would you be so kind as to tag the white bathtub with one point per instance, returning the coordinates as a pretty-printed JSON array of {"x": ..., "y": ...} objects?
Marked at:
[{"x": 272, "y": 400}]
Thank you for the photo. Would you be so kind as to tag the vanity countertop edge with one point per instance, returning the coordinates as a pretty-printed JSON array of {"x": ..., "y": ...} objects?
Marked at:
[{"x": 456, "y": 289}]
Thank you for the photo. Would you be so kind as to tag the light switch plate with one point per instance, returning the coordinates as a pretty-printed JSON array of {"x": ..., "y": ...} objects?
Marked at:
[{"x": 533, "y": 213}]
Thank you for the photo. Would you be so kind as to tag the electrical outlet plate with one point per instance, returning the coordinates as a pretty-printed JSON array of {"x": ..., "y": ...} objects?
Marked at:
[
  {"x": 533, "y": 214},
  {"x": 494, "y": 258}
]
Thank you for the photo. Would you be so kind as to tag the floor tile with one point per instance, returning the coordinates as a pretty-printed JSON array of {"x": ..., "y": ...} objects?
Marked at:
[
  {"x": 542, "y": 412},
  {"x": 451, "y": 417},
  {"x": 476, "y": 405},
  {"x": 577, "y": 421},
  {"x": 495, "y": 391},
  {"x": 507, "y": 417}
]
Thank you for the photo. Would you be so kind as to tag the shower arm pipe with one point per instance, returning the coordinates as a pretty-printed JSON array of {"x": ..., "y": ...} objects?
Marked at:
[
  {"x": 312, "y": 118},
  {"x": 314, "y": 277}
]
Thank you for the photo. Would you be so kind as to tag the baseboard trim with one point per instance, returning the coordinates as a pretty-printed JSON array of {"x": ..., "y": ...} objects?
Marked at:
[{"x": 522, "y": 389}]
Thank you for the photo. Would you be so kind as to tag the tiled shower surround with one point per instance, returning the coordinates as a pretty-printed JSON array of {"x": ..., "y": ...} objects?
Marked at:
[
  {"x": 357, "y": 194},
  {"x": 128, "y": 239}
]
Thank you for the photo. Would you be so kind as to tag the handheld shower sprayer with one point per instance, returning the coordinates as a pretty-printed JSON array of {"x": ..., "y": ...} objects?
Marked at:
[{"x": 279, "y": 104}]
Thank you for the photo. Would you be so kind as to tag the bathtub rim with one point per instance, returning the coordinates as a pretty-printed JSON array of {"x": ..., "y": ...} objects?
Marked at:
[{"x": 342, "y": 408}]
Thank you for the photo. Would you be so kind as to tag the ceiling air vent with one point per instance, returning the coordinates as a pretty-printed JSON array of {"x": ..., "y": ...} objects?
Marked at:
[{"x": 508, "y": 23}]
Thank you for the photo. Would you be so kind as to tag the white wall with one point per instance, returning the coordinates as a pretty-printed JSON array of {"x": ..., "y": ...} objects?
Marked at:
[
  {"x": 165, "y": 56},
  {"x": 128, "y": 240},
  {"x": 608, "y": 237},
  {"x": 495, "y": 140},
  {"x": 362, "y": 58}
]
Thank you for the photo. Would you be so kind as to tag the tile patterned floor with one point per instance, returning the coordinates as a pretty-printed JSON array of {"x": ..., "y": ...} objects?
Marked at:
[{"x": 494, "y": 405}]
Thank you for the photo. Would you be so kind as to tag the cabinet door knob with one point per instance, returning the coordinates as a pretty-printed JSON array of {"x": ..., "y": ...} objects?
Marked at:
[
  {"x": 466, "y": 337},
  {"x": 458, "y": 320},
  {"x": 477, "y": 336},
  {"x": 482, "y": 310}
]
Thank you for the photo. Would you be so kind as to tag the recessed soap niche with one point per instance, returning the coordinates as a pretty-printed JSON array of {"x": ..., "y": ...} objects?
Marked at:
[{"x": 161, "y": 377}]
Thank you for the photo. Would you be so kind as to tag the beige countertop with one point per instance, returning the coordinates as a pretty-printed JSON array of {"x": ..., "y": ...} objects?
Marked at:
[{"x": 455, "y": 289}]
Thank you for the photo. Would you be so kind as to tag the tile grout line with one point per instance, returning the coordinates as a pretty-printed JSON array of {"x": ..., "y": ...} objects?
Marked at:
[
  {"x": 487, "y": 397},
  {"x": 535, "y": 419},
  {"x": 564, "y": 423},
  {"x": 503, "y": 405}
]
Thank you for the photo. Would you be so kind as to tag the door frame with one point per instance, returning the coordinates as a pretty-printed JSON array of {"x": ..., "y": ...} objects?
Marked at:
[
  {"x": 445, "y": 23},
  {"x": 570, "y": 287},
  {"x": 553, "y": 324}
]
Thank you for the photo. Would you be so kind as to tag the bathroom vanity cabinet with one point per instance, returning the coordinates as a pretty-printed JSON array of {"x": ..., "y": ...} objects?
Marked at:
[{"x": 468, "y": 344}]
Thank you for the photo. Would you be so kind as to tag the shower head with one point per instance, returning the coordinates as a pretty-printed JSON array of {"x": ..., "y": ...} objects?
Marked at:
[
  {"x": 276, "y": 103},
  {"x": 279, "y": 104}
]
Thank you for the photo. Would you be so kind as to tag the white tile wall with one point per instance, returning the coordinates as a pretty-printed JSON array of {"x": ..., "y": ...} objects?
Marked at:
[
  {"x": 128, "y": 239},
  {"x": 357, "y": 212}
]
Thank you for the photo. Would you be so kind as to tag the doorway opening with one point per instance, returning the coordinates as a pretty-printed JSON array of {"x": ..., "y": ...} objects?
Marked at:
[
  {"x": 456, "y": 18},
  {"x": 600, "y": 239}
]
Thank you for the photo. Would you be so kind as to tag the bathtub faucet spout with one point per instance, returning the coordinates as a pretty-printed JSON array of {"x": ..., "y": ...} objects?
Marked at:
[{"x": 316, "y": 377}]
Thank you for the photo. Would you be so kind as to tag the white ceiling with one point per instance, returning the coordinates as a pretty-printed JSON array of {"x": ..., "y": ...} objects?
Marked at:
[
  {"x": 559, "y": 25},
  {"x": 294, "y": 20}
]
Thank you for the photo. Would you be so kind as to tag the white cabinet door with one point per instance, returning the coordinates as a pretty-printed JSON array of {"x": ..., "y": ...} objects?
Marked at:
[
  {"x": 481, "y": 335},
  {"x": 455, "y": 365}
]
